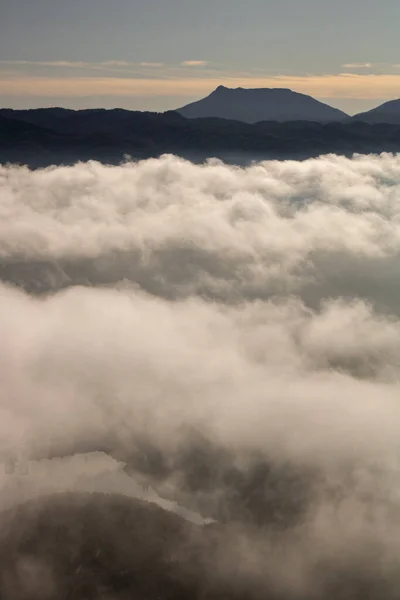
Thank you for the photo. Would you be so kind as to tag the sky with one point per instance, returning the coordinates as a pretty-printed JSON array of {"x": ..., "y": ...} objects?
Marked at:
[{"x": 162, "y": 54}]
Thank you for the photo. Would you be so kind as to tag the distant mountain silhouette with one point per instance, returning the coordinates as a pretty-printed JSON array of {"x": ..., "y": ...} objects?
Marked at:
[
  {"x": 59, "y": 136},
  {"x": 263, "y": 104},
  {"x": 389, "y": 112},
  {"x": 120, "y": 122}
]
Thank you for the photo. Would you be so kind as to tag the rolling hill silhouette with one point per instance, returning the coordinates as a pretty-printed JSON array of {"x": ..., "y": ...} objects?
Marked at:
[
  {"x": 389, "y": 112},
  {"x": 50, "y": 136}
]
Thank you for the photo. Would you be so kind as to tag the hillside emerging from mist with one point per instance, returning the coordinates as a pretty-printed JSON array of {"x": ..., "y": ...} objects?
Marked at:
[
  {"x": 89, "y": 546},
  {"x": 262, "y": 104},
  {"x": 98, "y": 546},
  {"x": 42, "y": 137}
]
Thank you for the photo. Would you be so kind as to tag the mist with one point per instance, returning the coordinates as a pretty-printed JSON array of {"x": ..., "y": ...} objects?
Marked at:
[{"x": 230, "y": 336}]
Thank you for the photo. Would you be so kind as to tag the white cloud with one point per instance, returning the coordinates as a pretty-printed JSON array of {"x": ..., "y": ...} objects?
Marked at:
[
  {"x": 366, "y": 65},
  {"x": 321, "y": 228},
  {"x": 258, "y": 305},
  {"x": 194, "y": 63},
  {"x": 298, "y": 230}
]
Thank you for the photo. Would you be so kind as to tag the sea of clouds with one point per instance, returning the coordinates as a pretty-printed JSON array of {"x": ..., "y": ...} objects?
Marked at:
[{"x": 256, "y": 309}]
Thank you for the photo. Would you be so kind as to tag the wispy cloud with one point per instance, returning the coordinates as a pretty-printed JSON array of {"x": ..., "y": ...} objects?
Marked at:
[
  {"x": 151, "y": 65},
  {"x": 366, "y": 65},
  {"x": 50, "y": 63},
  {"x": 370, "y": 65},
  {"x": 115, "y": 63},
  {"x": 194, "y": 63}
]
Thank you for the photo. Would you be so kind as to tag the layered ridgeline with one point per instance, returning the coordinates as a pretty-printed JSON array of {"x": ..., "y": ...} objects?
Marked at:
[
  {"x": 236, "y": 125},
  {"x": 45, "y": 137},
  {"x": 262, "y": 104}
]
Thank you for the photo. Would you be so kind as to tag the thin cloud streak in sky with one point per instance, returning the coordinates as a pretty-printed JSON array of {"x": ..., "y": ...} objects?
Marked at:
[
  {"x": 194, "y": 63},
  {"x": 370, "y": 65},
  {"x": 55, "y": 63},
  {"x": 91, "y": 65},
  {"x": 107, "y": 65},
  {"x": 358, "y": 65},
  {"x": 151, "y": 64}
]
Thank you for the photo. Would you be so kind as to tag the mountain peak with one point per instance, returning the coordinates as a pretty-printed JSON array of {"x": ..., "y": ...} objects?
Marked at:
[
  {"x": 223, "y": 88},
  {"x": 261, "y": 104}
]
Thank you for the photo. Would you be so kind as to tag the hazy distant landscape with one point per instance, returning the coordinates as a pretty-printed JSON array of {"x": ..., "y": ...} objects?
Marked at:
[{"x": 238, "y": 126}]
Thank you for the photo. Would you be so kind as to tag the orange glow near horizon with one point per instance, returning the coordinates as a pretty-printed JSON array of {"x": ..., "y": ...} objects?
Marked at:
[{"x": 345, "y": 85}]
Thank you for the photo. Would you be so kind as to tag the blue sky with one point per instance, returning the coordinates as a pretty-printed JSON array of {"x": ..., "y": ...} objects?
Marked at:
[{"x": 160, "y": 54}]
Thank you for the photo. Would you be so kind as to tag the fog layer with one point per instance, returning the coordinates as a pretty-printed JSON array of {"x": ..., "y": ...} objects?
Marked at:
[{"x": 231, "y": 333}]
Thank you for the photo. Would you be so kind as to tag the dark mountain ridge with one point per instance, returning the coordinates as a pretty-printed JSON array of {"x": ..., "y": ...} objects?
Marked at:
[
  {"x": 60, "y": 136},
  {"x": 253, "y": 105},
  {"x": 389, "y": 112}
]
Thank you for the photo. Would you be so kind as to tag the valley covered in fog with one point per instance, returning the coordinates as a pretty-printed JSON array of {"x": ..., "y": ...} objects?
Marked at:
[{"x": 221, "y": 341}]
